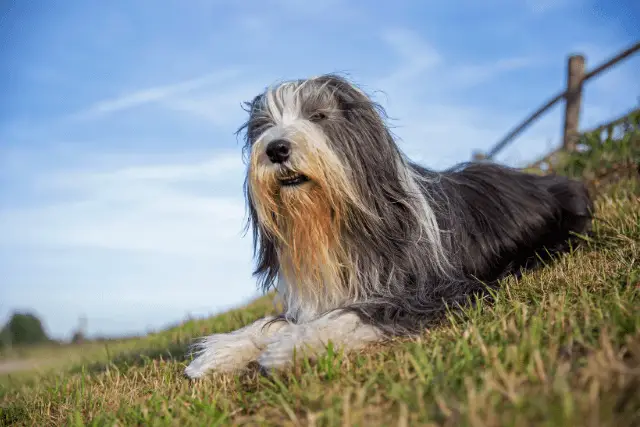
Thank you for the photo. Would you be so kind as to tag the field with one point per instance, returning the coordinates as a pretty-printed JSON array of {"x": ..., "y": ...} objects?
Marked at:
[{"x": 559, "y": 347}]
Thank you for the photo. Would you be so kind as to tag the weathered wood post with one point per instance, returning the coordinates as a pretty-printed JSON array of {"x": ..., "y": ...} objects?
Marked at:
[
  {"x": 573, "y": 101},
  {"x": 478, "y": 156}
]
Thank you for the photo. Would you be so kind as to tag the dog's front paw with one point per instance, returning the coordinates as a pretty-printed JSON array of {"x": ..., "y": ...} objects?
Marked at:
[
  {"x": 198, "y": 367},
  {"x": 222, "y": 353},
  {"x": 284, "y": 348},
  {"x": 277, "y": 355}
]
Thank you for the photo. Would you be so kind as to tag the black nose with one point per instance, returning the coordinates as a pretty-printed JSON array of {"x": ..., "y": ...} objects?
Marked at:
[{"x": 279, "y": 150}]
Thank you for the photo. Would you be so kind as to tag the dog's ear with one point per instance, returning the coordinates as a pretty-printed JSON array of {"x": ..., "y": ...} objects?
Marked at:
[{"x": 250, "y": 106}]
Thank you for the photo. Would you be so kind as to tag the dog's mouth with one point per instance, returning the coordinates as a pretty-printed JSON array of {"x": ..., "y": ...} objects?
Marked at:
[{"x": 293, "y": 179}]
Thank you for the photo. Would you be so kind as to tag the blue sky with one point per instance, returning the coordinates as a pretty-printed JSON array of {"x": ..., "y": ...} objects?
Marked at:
[{"x": 121, "y": 177}]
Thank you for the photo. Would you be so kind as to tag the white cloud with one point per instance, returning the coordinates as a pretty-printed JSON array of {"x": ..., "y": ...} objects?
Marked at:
[
  {"x": 422, "y": 64},
  {"x": 154, "y": 94},
  {"x": 222, "y": 164},
  {"x": 432, "y": 128},
  {"x": 152, "y": 209},
  {"x": 474, "y": 74},
  {"x": 221, "y": 107},
  {"x": 415, "y": 55}
]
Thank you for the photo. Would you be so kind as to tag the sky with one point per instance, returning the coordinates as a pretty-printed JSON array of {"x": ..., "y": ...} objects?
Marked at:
[{"x": 121, "y": 176}]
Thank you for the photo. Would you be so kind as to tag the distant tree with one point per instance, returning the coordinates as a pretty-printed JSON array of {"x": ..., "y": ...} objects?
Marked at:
[
  {"x": 5, "y": 339},
  {"x": 23, "y": 328}
]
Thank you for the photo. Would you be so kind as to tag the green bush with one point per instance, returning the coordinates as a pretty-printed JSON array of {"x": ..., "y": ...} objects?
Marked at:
[
  {"x": 597, "y": 153},
  {"x": 23, "y": 329}
]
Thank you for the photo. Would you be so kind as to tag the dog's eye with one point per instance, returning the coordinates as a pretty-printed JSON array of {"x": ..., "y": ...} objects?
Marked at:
[{"x": 318, "y": 116}]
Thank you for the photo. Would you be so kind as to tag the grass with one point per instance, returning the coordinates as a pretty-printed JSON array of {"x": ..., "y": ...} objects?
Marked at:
[{"x": 559, "y": 347}]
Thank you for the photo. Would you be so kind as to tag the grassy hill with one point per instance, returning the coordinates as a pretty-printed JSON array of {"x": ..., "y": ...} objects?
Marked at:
[{"x": 559, "y": 347}]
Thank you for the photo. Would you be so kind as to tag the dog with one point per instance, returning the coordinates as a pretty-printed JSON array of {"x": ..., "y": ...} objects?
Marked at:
[{"x": 361, "y": 243}]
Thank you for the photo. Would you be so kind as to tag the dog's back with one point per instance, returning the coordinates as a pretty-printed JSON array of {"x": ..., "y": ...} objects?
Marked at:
[{"x": 503, "y": 220}]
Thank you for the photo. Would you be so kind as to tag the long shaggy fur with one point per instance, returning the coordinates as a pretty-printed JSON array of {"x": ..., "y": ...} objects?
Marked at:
[{"x": 369, "y": 234}]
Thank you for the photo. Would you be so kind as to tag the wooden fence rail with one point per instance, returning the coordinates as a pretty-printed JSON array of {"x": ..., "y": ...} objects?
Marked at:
[
  {"x": 629, "y": 120},
  {"x": 576, "y": 78}
]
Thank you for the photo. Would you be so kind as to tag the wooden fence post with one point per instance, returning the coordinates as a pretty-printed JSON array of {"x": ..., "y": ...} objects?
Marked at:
[
  {"x": 573, "y": 100},
  {"x": 478, "y": 156}
]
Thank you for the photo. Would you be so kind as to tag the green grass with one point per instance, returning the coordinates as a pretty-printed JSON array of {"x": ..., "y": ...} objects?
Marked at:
[{"x": 559, "y": 347}]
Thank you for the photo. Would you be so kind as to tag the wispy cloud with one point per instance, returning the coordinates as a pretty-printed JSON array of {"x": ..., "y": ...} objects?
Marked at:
[
  {"x": 221, "y": 107},
  {"x": 154, "y": 208},
  {"x": 415, "y": 57},
  {"x": 421, "y": 66},
  {"x": 473, "y": 74},
  {"x": 432, "y": 126},
  {"x": 218, "y": 166},
  {"x": 154, "y": 94}
]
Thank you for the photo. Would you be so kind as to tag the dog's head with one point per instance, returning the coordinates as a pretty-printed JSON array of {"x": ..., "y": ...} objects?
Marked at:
[
  {"x": 322, "y": 166},
  {"x": 314, "y": 143}
]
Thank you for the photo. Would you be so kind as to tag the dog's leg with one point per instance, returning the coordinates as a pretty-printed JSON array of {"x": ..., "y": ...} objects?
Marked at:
[
  {"x": 344, "y": 329},
  {"x": 233, "y": 350}
]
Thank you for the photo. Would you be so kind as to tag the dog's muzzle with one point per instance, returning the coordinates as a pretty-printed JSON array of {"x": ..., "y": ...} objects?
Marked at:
[{"x": 279, "y": 152}]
